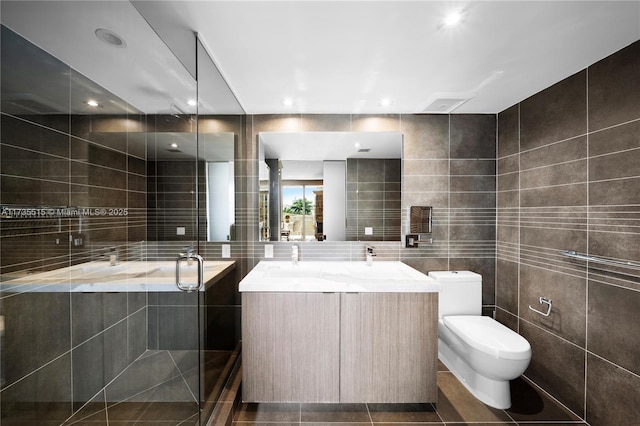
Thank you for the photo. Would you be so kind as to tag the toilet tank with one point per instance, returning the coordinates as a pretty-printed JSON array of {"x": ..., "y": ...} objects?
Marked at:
[{"x": 460, "y": 292}]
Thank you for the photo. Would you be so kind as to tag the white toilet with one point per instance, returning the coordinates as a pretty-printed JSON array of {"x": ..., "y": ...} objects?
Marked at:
[{"x": 482, "y": 353}]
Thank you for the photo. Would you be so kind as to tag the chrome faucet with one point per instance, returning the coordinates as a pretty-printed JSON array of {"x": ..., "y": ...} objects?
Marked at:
[
  {"x": 113, "y": 256},
  {"x": 189, "y": 252},
  {"x": 369, "y": 253}
]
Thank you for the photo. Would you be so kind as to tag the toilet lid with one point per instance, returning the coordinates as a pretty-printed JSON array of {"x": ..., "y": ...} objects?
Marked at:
[{"x": 489, "y": 336}]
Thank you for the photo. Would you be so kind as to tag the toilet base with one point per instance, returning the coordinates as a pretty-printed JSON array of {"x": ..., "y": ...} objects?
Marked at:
[{"x": 494, "y": 393}]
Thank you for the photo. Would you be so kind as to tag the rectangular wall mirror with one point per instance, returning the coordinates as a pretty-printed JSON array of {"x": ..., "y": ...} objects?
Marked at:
[{"x": 333, "y": 186}]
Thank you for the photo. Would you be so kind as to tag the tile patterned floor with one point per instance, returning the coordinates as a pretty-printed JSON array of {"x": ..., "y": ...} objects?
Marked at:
[
  {"x": 156, "y": 390},
  {"x": 456, "y": 406}
]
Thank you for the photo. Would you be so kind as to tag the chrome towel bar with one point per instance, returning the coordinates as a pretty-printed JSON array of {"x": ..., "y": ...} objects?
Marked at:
[{"x": 575, "y": 255}]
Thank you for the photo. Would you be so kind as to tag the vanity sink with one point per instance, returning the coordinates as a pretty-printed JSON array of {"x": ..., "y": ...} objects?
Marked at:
[
  {"x": 101, "y": 276},
  {"x": 348, "y": 332},
  {"x": 335, "y": 276}
]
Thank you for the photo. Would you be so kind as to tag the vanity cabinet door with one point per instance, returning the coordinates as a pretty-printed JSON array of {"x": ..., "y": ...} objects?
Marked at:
[
  {"x": 389, "y": 347},
  {"x": 290, "y": 348}
]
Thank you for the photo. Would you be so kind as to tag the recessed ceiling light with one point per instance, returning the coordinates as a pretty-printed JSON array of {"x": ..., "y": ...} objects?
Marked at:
[
  {"x": 174, "y": 145},
  {"x": 192, "y": 102},
  {"x": 287, "y": 101},
  {"x": 93, "y": 103},
  {"x": 357, "y": 144},
  {"x": 385, "y": 102},
  {"x": 110, "y": 38},
  {"x": 453, "y": 18}
]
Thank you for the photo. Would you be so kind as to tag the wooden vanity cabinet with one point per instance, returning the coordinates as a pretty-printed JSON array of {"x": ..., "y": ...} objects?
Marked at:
[
  {"x": 290, "y": 347},
  {"x": 339, "y": 347},
  {"x": 389, "y": 347}
]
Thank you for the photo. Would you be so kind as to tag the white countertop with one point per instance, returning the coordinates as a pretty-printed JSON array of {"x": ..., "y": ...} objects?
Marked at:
[
  {"x": 100, "y": 277},
  {"x": 337, "y": 277}
]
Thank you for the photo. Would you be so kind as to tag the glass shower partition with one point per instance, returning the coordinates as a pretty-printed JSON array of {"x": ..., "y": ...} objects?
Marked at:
[{"x": 99, "y": 196}]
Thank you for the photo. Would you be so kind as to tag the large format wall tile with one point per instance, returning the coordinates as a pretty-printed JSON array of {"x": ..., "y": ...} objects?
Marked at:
[
  {"x": 557, "y": 153},
  {"x": 568, "y": 293},
  {"x": 612, "y": 329},
  {"x": 507, "y": 286},
  {"x": 473, "y": 136},
  {"x": 557, "y": 113},
  {"x": 557, "y": 366},
  {"x": 565, "y": 195},
  {"x": 509, "y": 131},
  {"x": 37, "y": 330},
  {"x": 578, "y": 190},
  {"x": 45, "y": 394},
  {"x": 614, "y": 84},
  {"x": 425, "y": 136},
  {"x": 612, "y": 394}
]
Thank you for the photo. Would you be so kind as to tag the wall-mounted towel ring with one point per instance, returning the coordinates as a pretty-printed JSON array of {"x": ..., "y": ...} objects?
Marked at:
[{"x": 543, "y": 300}]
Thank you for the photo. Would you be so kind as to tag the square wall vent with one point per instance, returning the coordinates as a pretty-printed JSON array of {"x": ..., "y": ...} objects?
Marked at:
[{"x": 444, "y": 103}]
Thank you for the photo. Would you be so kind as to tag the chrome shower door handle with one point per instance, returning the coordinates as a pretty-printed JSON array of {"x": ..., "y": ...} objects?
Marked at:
[{"x": 200, "y": 266}]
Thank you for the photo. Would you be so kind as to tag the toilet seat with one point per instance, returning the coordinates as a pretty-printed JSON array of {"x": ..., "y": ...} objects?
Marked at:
[{"x": 489, "y": 336}]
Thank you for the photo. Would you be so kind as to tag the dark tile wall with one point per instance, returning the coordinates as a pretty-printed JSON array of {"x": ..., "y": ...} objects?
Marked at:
[
  {"x": 59, "y": 348},
  {"x": 176, "y": 324},
  {"x": 568, "y": 179},
  {"x": 373, "y": 199},
  {"x": 448, "y": 163}
]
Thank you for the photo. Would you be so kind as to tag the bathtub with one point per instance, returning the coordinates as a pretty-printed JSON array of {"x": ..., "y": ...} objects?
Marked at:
[{"x": 101, "y": 276}]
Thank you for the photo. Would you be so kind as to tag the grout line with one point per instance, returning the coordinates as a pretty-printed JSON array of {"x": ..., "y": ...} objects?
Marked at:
[
  {"x": 369, "y": 413},
  {"x": 554, "y": 399},
  {"x": 586, "y": 283},
  {"x": 519, "y": 220}
]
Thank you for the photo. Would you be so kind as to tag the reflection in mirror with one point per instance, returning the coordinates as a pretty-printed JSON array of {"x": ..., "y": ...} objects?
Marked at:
[
  {"x": 334, "y": 186},
  {"x": 85, "y": 181},
  {"x": 218, "y": 112},
  {"x": 420, "y": 220},
  {"x": 61, "y": 152}
]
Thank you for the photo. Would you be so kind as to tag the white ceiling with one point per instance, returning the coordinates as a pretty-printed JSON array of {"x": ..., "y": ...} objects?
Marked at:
[
  {"x": 336, "y": 56},
  {"x": 345, "y": 56}
]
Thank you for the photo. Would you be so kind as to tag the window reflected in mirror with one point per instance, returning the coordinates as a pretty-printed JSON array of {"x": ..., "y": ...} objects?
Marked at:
[{"x": 333, "y": 186}]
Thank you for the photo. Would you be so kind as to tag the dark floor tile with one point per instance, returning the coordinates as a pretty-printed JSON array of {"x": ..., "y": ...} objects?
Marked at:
[
  {"x": 154, "y": 423},
  {"x": 334, "y": 413},
  {"x": 267, "y": 413},
  {"x": 33, "y": 411},
  {"x": 394, "y": 423},
  {"x": 126, "y": 411},
  {"x": 553, "y": 424},
  {"x": 408, "y": 413},
  {"x": 93, "y": 412},
  {"x": 145, "y": 374},
  {"x": 457, "y": 404},
  {"x": 471, "y": 423},
  {"x": 528, "y": 403},
  {"x": 337, "y": 424},
  {"x": 165, "y": 411}
]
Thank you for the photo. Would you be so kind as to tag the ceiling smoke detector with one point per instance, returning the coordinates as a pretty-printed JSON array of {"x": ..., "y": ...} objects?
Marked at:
[{"x": 110, "y": 38}]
